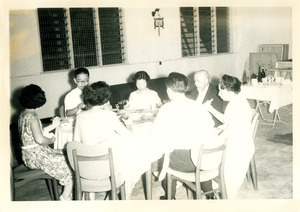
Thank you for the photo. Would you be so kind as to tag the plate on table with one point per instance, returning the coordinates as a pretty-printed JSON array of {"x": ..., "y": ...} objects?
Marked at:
[
  {"x": 66, "y": 125},
  {"x": 147, "y": 118},
  {"x": 148, "y": 115}
]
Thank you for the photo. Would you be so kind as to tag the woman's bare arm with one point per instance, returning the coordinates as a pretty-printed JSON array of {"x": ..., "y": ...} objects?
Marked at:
[
  {"x": 38, "y": 134},
  {"x": 213, "y": 111}
]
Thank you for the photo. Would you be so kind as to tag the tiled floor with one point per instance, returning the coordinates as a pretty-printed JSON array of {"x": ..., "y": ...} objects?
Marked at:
[{"x": 274, "y": 160}]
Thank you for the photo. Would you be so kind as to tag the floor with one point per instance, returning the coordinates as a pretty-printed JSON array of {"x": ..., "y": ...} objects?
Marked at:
[{"x": 274, "y": 160}]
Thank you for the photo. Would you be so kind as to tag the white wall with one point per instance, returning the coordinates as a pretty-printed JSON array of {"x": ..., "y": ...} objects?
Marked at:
[
  {"x": 251, "y": 26},
  {"x": 260, "y": 25}
]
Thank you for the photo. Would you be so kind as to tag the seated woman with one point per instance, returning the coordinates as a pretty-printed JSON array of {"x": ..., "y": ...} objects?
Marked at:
[
  {"x": 237, "y": 127},
  {"x": 36, "y": 153},
  {"x": 99, "y": 122},
  {"x": 143, "y": 97}
]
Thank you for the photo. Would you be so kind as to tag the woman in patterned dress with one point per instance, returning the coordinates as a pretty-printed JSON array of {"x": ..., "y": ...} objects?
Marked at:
[{"x": 36, "y": 153}]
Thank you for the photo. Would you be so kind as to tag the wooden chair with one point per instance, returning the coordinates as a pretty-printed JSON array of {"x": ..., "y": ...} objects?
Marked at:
[
  {"x": 23, "y": 175},
  {"x": 252, "y": 173},
  {"x": 94, "y": 170},
  {"x": 193, "y": 180}
]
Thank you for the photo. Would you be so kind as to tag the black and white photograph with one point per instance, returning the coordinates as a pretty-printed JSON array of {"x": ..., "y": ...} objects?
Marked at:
[{"x": 192, "y": 105}]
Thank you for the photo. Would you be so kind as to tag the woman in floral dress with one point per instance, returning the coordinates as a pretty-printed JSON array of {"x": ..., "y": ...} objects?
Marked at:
[{"x": 36, "y": 153}]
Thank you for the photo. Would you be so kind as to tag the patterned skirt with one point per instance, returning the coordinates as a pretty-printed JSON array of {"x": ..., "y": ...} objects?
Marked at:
[{"x": 51, "y": 161}]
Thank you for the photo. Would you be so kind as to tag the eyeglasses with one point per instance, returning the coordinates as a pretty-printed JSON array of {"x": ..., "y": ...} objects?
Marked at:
[{"x": 82, "y": 81}]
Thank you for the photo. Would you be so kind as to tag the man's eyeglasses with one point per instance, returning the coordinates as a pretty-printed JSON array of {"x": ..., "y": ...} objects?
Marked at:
[{"x": 82, "y": 81}]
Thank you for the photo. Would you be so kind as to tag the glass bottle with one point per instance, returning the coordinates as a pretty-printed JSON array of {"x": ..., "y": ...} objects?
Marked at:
[
  {"x": 263, "y": 73},
  {"x": 259, "y": 74}
]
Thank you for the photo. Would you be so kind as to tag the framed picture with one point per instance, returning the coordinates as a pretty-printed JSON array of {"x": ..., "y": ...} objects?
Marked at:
[{"x": 281, "y": 50}]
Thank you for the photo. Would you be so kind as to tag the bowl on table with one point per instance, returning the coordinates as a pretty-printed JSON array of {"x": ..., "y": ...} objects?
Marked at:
[{"x": 66, "y": 125}]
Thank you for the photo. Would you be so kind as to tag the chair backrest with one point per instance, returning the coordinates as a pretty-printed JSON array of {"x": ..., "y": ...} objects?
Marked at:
[
  {"x": 254, "y": 124},
  {"x": 62, "y": 113},
  {"x": 91, "y": 162},
  {"x": 219, "y": 158},
  {"x": 211, "y": 158}
]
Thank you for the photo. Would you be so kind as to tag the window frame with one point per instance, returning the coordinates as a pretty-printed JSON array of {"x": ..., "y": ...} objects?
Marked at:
[
  {"x": 97, "y": 36},
  {"x": 214, "y": 21}
]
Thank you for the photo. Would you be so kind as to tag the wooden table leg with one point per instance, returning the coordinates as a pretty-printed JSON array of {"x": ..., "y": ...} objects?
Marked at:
[{"x": 148, "y": 176}]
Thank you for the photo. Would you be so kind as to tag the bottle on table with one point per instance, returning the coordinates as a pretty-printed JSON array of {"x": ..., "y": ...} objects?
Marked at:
[
  {"x": 263, "y": 73},
  {"x": 259, "y": 74}
]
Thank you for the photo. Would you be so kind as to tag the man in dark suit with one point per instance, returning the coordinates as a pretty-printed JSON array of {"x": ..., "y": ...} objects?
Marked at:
[{"x": 205, "y": 91}]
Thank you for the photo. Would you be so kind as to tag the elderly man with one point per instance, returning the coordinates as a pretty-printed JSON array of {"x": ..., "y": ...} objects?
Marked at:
[{"x": 205, "y": 91}]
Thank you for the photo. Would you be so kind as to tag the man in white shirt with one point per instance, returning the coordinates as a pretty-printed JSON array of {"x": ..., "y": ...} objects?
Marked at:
[
  {"x": 181, "y": 125},
  {"x": 73, "y": 100},
  {"x": 205, "y": 91}
]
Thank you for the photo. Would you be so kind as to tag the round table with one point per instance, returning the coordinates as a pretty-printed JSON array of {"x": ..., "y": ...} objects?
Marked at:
[{"x": 63, "y": 134}]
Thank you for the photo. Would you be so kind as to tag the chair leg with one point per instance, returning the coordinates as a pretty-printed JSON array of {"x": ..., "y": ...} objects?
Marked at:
[
  {"x": 198, "y": 190},
  {"x": 148, "y": 179},
  {"x": 12, "y": 186},
  {"x": 253, "y": 173},
  {"x": 248, "y": 174},
  {"x": 169, "y": 186},
  {"x": 79, "y": 193},
  {"x": 55, "y": 189},
  {"x": 223, "y": 189},
  {"x": 50, "y": 188},
  {"x": 86, "y": 195},
  {"x": 189, "y": 193},
  {"x": 114, "y": 194},
  {"x": 122, "y": 191},
  {"x": 216, "y": 193}
]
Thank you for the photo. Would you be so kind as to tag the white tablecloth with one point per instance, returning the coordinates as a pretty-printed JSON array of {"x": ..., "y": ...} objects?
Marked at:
[
  {"x": 135, "y": 158},
  {"x": 277, "y": 95},
  {"x": 63, "y": 135},
  {"x": 134, "y": 154}
]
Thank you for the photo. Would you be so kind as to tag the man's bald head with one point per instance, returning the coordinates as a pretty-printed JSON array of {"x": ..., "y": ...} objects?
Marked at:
[{"x": 201, "y": 79}]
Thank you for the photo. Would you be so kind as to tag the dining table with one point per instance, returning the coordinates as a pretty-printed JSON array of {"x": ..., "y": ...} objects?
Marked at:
[
  {"x": 64, "y": 133},
  {"x": 147, "y": 153},
  {"x": 276, "y": 95},
  {"x": 135, "y": 153}
]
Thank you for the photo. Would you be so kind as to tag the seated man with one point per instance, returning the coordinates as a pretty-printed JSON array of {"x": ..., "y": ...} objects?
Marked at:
[
  {"x": 181, "y": 125},
  {"x": 73, "y": 100},
  {"x": 205, "y": 91}
]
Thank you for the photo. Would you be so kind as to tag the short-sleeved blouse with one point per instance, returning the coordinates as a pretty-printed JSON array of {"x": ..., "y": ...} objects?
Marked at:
[
  {"x": 98, "y": 124},
  {"x": 149, "y": 99}
]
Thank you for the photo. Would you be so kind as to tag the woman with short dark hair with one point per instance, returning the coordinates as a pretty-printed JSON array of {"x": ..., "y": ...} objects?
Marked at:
[
  {"x": 237, "y": 127},
  {"x": 143, "y": 97},
  {"x": 230, "y": 83},
  {"x": 98, "y": 123},
  {"x": 97, "y": 94},
  {"x": 36, "y": 153}
]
